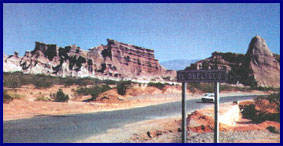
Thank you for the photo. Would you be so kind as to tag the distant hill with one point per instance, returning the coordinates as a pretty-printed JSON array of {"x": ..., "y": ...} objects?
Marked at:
[{"x": 178, "y": 64}]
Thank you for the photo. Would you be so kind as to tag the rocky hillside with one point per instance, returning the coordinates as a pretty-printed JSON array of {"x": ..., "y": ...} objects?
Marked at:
[
  {"x": 258, "y": 67},
  {"x": 115, "y": 60}
]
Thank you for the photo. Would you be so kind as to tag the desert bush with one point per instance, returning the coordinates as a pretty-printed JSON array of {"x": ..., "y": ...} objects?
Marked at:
[
  {"x": 272, "y": 98},
  {"x": 68, "y": 81},
  {"x": 83, "y": 91},
  {"x": 42, "y": 98},
  {"x": 249, "y": 112},
  {"x": 204, "y": 87},
  {"x": 257, "y": 116},
  {"x": 157, "y": 85},
  {"x": 17, "y": 79},
  {"x": 110, "y": 82},
  {"x": 10, "y": 95},
  {"x": 264, "y": 88},
  {"x": 61, "y": 97},
  {"x": 11, "y": 81},
  {"x": 123, "y": 86},
  {"x": 94, "y": 91},
  {"x": 231, "y": 88},
  {"x": 6, "y": 97},
  {"x": 42, "y": 82}
]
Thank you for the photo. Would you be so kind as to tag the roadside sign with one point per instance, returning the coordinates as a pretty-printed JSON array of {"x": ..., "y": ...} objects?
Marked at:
[
  {"x": 210, "y": 76},
  {"x": 202, "y": 76}
]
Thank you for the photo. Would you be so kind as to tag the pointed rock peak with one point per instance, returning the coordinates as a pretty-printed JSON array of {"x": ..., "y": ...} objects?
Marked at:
[
  {"x": 258, "y": 46},
  {"x": 27, "y": 53},
  {"x": 16, "y": 54}
]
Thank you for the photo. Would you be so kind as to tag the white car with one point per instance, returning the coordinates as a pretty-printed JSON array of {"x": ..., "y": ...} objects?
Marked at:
[{"x": 208, "y": 97}]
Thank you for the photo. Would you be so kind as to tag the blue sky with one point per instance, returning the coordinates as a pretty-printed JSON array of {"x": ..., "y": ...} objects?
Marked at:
[{"x": 174, "y": 31}]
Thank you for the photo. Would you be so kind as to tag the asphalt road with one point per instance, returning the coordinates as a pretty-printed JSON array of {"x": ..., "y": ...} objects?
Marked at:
[{"x": 70, "y": 128}]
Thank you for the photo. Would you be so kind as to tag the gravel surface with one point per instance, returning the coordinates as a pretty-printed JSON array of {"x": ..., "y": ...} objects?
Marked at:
[{"x": 235, "y": 137}]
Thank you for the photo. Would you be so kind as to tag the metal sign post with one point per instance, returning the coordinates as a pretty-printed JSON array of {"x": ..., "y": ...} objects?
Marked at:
[
  {"x": 216, "y": 112},
  {"x": 184, "y": 124},
  {"x": 211, "y": 76}
]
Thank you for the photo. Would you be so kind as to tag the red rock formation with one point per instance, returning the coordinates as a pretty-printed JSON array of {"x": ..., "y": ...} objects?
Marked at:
[
  {"x": 258, "y": 67},
  {"x": 115, "y": 60},
  {"x": 264, "y": 66}
]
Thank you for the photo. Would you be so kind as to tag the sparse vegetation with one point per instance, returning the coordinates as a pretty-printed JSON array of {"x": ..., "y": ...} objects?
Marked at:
[
  {"x": 157, "y": 85},
  {"x": 260, "y": 110},
  {"x": 18, "y": 79},
  {"x": 61, "y": 97},
  {"x": 209, "y": 87},
  {"x": 14, "y": 95},
  {"x": 204, "y": 87},
  {"x": 42, "y": 98},
  {"x": 123, "y": 86},
  {"x": 265, "y": 88},
  {"x": 10, "y": 95},
  {"x": 6, "y": 97},
  {"x": 11, "y": 80},
  {"x": 94, "y": 91},
  {"x": 273, "y": 98},
  {"x": 42, "y": 82}
]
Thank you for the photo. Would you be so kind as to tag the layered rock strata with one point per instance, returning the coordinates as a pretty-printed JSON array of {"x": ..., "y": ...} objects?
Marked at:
[{"x": 116, "y": 60}]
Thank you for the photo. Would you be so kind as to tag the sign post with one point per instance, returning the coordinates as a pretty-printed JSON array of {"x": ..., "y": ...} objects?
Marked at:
[
  {"x": 216, "y": 112},
  {"x": 184, "y": 133},
  {"x": 210, "y": 76}
]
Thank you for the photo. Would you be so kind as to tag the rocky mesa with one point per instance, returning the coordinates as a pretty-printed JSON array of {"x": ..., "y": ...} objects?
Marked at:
[
  {"x": 116, "y": 61},
  {"x": 259, "y": 67}
]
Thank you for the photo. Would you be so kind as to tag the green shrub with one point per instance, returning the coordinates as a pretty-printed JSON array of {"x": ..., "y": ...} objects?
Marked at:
[
  {"x": 157, "y": 85},
  {"x": 230, "y": 88},
  {"x": 68, "y": 81},
  {"x": 110, "y": 82},
  {"x": 17, "y": 79},
  {"x": 6, "y": 97},
  {"x": 61, "y": 97},
  {"x": 10, "y": 95},
  {"x": 264, "y": 88},
  {"x": 275, "y": 98},
  {"x": 42, "y": 98},
  {"x": 15, "y": 95},
  {"x": 11, "y": 81},
  {"x": 43, "y": 82},
  {"x": 123, "y": 86},
  {"x": 83, "y": 91},
  {"x": 204, "y": 87},
  {"x": 94, "y": 91},
  {"x": 249, "y": 112},
  {"x": 257, "y": 116}
]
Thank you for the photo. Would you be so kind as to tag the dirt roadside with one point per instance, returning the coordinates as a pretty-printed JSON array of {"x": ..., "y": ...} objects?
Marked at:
[
  {"x": 168, "y": 130},
  {"x": 27, "y": 106}
]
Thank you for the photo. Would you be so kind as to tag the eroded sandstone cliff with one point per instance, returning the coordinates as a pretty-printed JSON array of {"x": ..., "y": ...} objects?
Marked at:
[{"x": 116, "y": 60}]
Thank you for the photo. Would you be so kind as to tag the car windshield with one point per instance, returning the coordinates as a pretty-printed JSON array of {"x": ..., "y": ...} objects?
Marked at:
[{"x": 209, "y": 94}]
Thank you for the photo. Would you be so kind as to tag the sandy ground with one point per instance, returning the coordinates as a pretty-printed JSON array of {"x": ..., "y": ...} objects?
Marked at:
[
  {"x": 27, "y": 106},
  {"x": 168, "y": 130}
]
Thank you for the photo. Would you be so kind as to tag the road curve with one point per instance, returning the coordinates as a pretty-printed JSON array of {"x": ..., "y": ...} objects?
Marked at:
[{"x": 70, "y": 128}]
